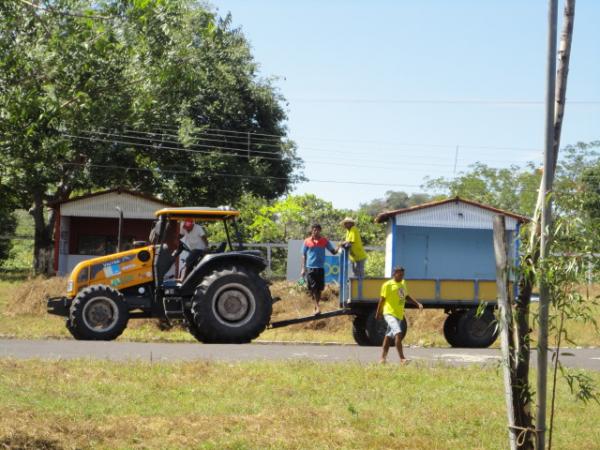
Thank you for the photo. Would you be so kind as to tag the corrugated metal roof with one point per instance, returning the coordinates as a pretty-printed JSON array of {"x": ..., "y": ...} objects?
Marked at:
[
  {"x": 103, "y": 205},
  {"x": 453, "y": 215},
  {"x": 443, "y": 204},
  {"x": 117, "y": 190}
]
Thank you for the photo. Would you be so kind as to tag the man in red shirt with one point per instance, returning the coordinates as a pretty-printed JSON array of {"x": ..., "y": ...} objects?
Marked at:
[{"x": 313, "y": 263}]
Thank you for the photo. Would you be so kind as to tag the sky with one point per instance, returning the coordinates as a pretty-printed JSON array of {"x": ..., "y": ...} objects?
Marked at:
[{"x": 383, "y": 94}]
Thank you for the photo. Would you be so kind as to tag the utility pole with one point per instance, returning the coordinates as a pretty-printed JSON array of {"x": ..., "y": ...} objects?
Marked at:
[
  {"x": 505, "y": 322},
  {"x": 455, "y": 162},
  {"x": 546, "y": 222}
]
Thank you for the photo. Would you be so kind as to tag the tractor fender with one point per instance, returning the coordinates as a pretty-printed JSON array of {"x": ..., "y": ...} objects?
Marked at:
[{"x": 212, "y": 262}]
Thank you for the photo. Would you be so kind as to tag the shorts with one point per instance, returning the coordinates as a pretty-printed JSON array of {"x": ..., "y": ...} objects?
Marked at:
[
  {"x": 394, "y": 325},
  {"x": 315, "y": 279},
  {"x": 358, "y": 269}
]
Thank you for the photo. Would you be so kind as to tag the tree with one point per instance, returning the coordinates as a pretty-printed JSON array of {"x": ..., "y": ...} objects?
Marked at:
[
  {"x": 8, "y": 222},
  {"x": 513, "y": 189},
  {"x": 393, "y": 200},
  {"x": 94, "y": 95}
]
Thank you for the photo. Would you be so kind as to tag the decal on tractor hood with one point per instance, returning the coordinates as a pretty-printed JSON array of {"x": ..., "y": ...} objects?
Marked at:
[{"x": 111, "y": 268}]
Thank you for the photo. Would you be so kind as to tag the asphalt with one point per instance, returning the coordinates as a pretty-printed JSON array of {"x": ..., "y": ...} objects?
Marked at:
[{"x": 125, "y": 351}]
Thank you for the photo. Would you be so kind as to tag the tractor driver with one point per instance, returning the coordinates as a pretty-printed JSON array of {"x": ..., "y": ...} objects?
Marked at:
[{"x": 194, "y": 237}]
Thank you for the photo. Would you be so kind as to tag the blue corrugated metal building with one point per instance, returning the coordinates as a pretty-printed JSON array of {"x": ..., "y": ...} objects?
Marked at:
[{"x": 448, "y": 239}]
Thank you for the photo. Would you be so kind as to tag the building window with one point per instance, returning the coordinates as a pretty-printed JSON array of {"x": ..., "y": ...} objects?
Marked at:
[{"x": 98, "y": 245}]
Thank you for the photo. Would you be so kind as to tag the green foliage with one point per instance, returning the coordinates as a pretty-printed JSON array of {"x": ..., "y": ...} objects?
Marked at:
[
  {"x": 21, "y": 253},
  {"x": 73, "y": 88},
  {"x": 291, "y": 218},
  {"x": 513, "y": 189},
  {"x": 375, "y": 266},
  {"x": 393, "y": 200},
  {"x": 8, "y": 223}
]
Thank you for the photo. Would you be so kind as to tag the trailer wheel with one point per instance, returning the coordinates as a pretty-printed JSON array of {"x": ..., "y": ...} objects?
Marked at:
[
  {"x": 231, "y": 305},
  {"x": 376, "y": 329},
  {"x": 478, "y": 332},
  {"x": 451, "y": 329},
  {"x": 359, "y": 331},
  {"x": 98, "y": 313}
]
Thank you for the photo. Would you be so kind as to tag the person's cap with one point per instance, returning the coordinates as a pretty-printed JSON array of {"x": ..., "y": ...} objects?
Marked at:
[
  {"x": 398, "y": 269},
  {"x": 348, "y": 220}
]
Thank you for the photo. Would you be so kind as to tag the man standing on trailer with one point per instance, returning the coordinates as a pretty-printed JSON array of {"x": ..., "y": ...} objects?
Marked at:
[
  {"x": 394, "y": 294},
  {"x": 358, "y": 256},
  {"x": 313, "y": 263}
]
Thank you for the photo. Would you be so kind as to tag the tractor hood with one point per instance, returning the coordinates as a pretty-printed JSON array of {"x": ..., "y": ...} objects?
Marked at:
[{"x": 119, "y": 270}]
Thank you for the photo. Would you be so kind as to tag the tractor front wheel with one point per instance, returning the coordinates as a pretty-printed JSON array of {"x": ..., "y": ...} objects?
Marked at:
[{"x": 98, "y": 313}]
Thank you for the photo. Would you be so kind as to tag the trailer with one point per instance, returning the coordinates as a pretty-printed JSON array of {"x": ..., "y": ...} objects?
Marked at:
[{"x": 446, "y": 248}]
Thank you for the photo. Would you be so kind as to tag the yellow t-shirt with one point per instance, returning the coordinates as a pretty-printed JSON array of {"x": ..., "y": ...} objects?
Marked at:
[
  {"x": 357, "y": 251},
  {"x": 395, "y": 293}
]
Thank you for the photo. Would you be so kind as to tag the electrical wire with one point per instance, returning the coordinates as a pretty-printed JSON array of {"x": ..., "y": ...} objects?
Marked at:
[
  {"x": 245, "y": 148},
  {"x": 461, "y": 101},
  {"x": 230, "y": 175},
  {"x": 244, "y": 134},
  {"x": 145, "y": 142}
]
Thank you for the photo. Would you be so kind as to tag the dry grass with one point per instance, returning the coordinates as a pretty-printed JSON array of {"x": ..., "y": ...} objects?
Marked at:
[
  {"x": 23, "y": 314},
  {"x": 29, "y": 297}
]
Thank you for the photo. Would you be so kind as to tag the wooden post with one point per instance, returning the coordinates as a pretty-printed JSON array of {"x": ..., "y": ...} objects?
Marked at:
[
  {"x": 269, "y": 268},
  {"x": 504, "y": 322}
]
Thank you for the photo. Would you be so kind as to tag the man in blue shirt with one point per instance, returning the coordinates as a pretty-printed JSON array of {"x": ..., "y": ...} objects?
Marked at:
[{"x": 313, "y": 263}]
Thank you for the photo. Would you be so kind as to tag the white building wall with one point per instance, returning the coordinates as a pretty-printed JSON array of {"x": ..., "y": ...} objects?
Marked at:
[
  {"x": 389, "y": 250},
  {"x": 63, "y": 245}
]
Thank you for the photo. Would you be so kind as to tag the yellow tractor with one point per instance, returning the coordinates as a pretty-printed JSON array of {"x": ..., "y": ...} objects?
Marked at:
[{"x": 219, "y": 293}]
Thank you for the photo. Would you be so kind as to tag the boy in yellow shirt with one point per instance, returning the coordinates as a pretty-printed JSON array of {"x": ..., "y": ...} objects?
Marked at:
[{"x": 394, "y": 294}]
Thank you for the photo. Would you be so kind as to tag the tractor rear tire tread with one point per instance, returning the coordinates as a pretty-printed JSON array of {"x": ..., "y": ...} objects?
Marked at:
[{"x": 205, "y": 327}]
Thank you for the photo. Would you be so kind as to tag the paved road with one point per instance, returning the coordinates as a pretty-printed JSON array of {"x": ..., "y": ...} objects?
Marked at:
[{"x": 121, "y": 351}]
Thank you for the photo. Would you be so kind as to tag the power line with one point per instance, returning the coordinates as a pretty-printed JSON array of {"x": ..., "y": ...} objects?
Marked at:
[
  {"x": 243, "y": 134},
  {"x": 214, "y": 174},
  {"x": 159, "y": 145},
  {"x": 267, "y": 177},
  {"x": 245, "y": 147},
  {"x": 437, "y": 101}
]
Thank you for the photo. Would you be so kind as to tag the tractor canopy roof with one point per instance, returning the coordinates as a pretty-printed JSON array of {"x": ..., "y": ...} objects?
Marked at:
[{"x": 199, "y": 213}]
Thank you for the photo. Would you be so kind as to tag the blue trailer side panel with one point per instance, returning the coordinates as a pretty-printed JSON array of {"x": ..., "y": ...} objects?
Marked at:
[{"x": 448, "y": 253}]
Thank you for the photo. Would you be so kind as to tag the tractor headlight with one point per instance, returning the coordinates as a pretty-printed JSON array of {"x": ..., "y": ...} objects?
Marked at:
[{"x": 69, "y": 286}]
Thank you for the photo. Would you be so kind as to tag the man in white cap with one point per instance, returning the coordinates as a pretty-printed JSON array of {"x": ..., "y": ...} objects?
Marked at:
[
  {"x": 358, "y": 256},
  {"x": 194, "y": 237}
]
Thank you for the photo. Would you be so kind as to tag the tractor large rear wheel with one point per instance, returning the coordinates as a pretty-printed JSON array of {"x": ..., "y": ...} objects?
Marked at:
[
  {"x": 231, "y": 305},
  {"x": 98, "y": 313}
]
